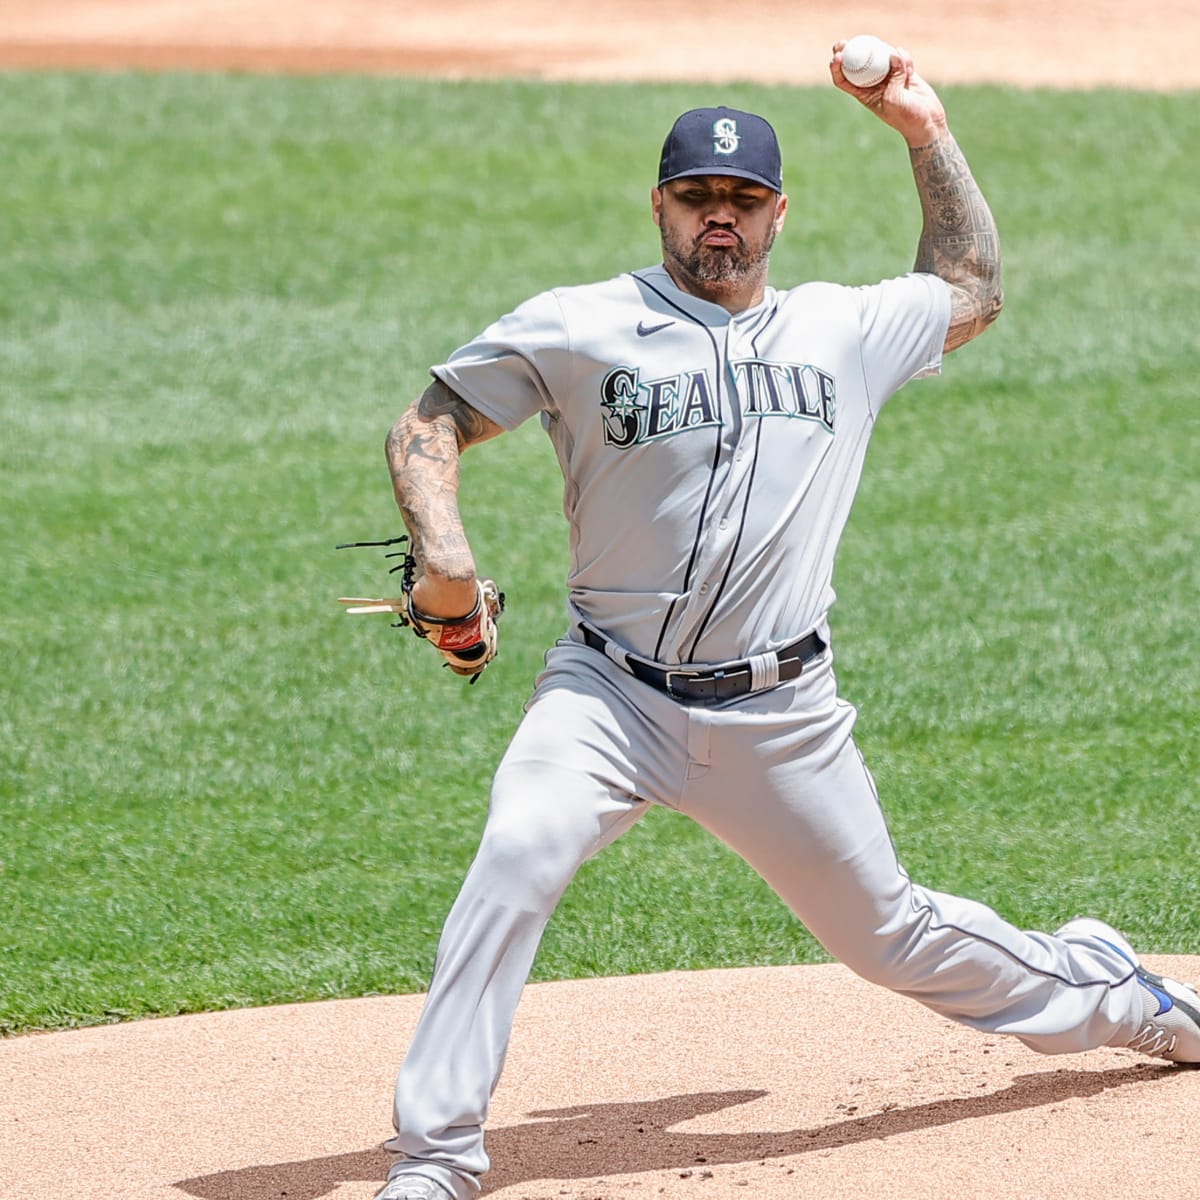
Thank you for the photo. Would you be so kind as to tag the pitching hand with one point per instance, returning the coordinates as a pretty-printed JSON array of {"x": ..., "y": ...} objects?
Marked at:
[{"x": 903, "y": 100}]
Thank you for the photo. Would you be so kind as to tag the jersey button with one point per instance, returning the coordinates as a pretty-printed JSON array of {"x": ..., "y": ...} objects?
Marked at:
[
  {"x": 724, "y": 524},
  {"x": 704, "y": 589}
]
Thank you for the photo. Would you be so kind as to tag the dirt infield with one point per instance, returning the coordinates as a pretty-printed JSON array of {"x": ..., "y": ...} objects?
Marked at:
[
  {"x": 1066, "y": 43},
  {"x": 791, "y": 1082}
]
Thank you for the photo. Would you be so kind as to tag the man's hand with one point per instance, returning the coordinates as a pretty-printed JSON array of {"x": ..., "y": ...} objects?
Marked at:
[
  {"x": 468, "y": 642},
  {"x": 442, "y": 597},
  {"x": 902, "y": 100},
  {"x": 464, "y": 636}
]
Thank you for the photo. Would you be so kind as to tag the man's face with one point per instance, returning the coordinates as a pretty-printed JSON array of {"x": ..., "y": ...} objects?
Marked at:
[{"x": 718, "y": 229}]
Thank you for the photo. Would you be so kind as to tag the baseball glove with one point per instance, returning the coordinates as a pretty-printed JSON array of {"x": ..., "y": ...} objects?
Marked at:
[{"x": 467, "y": 643}]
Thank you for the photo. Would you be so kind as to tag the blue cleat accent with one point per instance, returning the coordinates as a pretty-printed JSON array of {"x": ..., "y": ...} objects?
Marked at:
[
  {"x": 1165, "y": 1003},
  {"x": 1170, "y": 1026}
]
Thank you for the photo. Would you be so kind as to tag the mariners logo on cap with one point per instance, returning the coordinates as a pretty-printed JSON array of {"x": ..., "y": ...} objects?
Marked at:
[{"x": 725, "y": 136}]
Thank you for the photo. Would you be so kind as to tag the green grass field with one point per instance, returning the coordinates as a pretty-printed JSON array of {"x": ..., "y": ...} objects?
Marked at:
[{"x": 216, "y": 790}]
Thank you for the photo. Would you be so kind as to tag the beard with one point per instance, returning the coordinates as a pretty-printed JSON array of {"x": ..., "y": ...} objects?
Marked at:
[{"x": 716, "y": 264}]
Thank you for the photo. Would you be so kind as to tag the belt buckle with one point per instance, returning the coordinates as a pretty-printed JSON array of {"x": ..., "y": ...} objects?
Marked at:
[
  {"x": 668, "y": 677},
  {"x": 707, "y": 689}
]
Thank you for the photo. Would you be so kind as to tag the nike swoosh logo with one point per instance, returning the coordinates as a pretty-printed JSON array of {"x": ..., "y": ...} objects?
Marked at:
[
  {"x": 644, "y": 330},
  {"x": 1165, "y": 1002}
]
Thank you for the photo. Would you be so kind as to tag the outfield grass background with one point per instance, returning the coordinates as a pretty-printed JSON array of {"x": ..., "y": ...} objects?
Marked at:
[{"x": 216, "y": 790}]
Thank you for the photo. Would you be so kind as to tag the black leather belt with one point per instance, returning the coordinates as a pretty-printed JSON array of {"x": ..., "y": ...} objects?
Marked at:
[{"x": 714, "y": 684}]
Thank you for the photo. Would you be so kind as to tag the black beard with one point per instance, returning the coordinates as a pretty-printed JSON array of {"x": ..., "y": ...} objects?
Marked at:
[{"x": 717, "y": 264}]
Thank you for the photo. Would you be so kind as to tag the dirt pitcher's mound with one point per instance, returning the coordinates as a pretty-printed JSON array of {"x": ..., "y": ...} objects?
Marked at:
[{"x": 790, "y": 1082}]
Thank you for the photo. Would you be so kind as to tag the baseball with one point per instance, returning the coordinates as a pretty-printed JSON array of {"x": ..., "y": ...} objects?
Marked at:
[{"x": 866, "y": 60}]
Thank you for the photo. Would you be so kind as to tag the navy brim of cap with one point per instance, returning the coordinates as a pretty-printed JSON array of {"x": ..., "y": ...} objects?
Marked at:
[{"x": 721, "y": 169}]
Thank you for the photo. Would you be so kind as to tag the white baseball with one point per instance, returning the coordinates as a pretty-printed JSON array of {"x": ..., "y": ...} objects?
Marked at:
[{"x": 866, "y": 60}]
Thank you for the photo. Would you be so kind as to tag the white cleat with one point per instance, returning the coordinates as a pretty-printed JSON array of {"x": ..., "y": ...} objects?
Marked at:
[
  {"x": 1170, "y": 1010},
  {"x": 407, "y": 1186}
]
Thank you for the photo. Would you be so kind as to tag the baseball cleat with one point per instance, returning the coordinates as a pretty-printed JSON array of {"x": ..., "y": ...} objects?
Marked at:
[
  {"x": 407, "y": 1186},
  {"x": 1170, "y": 1010}
]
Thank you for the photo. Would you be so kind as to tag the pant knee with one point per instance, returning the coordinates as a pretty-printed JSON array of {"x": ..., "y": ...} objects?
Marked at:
[
  {"x": 541, "y": 826},
  {"x": 892, "y": 945},
  {"x": 885, "y": 960},
  {"x": 525, "y": 865}
]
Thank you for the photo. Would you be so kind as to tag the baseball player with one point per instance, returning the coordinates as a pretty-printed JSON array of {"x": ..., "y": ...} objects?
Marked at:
[{"x": 711, "y": 431}]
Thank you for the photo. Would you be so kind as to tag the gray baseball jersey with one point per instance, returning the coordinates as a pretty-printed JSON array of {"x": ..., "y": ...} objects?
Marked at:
[{"x": 710, "y": 460}]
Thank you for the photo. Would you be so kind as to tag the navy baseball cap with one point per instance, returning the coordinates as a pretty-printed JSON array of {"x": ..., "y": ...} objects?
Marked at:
[{"x": 722, "y": 141}]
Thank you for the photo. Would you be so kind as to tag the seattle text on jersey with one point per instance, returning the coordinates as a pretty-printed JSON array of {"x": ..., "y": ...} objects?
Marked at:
[{"x": 638, "y": 411}]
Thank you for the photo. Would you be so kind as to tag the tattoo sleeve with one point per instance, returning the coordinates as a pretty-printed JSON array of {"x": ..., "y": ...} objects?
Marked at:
[
  {"x": 959, "y": 242},
  {"x": 423, "y": 450}
]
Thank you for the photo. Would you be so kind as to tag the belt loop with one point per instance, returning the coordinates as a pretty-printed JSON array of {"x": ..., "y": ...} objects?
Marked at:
[
  {"x": 607, "y": 646},
  {"x": 617, "y": 654},
  {"x": 764, "y": 670}
]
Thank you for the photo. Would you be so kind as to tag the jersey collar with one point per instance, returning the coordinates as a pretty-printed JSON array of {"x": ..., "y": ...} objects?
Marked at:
[{"x": 704, "y": 311}]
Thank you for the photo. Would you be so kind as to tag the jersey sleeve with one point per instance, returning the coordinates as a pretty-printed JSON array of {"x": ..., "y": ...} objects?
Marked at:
[
  {"x": 904, "y": 323},
  {"x": 516, "y": 367}
]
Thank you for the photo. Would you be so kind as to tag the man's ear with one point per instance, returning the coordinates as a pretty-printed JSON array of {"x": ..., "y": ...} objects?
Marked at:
[
  {"x": 781, "y": 211},
  {"x": 656, "y": 199}
]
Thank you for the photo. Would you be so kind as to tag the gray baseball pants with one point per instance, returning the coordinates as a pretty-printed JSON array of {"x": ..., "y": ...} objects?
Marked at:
[{"x": 778, "y": 778}]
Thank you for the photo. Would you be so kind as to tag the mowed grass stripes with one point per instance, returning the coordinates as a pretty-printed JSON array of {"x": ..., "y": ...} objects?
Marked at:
[{"x": 217, "y": 790}]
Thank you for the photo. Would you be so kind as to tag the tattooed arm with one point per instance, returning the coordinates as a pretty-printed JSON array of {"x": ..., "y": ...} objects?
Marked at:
[
  {"x": 959, "y": 242},
  {"x": 423, "y": 449}
]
